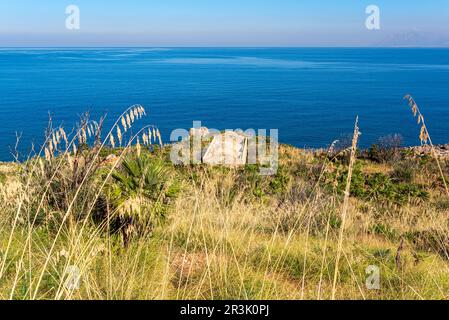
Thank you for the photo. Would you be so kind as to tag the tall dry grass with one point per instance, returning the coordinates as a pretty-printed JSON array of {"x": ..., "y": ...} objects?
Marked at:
[
  {"x": 344, "y": 210},
  {"x": 230, "y": 234},
  {"x": 424, "y": 135}
]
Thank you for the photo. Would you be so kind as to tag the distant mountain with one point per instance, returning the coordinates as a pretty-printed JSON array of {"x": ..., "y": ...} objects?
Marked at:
[{"x": 414, "y": 39}]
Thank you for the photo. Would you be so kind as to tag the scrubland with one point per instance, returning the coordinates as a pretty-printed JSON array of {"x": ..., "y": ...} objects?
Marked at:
[{"x": 95, "y": 217}]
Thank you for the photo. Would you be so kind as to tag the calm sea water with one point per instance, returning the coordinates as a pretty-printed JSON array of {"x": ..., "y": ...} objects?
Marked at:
[{"x": 311, "y": 95}]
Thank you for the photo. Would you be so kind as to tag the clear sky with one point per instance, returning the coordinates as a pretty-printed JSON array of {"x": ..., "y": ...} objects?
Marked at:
[{"x": 223, "y": 23}]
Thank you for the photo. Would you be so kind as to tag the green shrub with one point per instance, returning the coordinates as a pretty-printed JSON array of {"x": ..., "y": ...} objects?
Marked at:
[
  {"x": 280, "y": 181},
  {"x": 405, "y": 171},
  {"x": 381, "y": 187},
  {"x": 387, "y": 149}
]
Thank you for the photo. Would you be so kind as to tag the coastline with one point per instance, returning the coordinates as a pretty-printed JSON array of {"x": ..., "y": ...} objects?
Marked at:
[{"x": 441, "y": 151}]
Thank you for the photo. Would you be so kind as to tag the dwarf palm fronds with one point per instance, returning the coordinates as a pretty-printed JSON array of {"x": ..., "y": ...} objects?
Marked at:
[
  {"x": 70, "y": 167},
  {"x": 140, "y": 191}
]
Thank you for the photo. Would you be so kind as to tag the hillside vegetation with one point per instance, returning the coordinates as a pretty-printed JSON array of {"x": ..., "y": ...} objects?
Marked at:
[{"x": 109, "y": 219}]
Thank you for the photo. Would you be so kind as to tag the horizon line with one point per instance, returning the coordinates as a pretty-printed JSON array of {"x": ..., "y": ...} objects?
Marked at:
[{"x": 225, "y": 47}]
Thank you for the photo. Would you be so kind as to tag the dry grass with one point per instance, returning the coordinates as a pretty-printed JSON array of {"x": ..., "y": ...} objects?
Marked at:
[
  {"x": 344, "y": 209},
  {"x": 230, "y": 233},
  {"x": 424, "y": 136}
]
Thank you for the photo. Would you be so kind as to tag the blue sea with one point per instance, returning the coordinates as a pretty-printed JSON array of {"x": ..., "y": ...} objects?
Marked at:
[{"x": 312, "y": 95}]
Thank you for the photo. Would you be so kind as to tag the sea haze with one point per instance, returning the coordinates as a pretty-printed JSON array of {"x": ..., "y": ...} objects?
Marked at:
[{"x": 312, "y": 95}]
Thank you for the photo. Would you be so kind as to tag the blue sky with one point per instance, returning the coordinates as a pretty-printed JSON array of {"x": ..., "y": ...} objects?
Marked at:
[{"x": 222, "y": 22}]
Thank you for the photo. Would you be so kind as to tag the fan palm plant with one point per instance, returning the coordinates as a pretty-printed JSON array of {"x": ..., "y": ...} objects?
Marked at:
[{"x": 140, "y": 193}]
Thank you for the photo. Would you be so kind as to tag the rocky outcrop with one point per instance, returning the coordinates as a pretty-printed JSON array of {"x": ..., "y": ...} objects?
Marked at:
[{"x": 441, "y": 151}]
